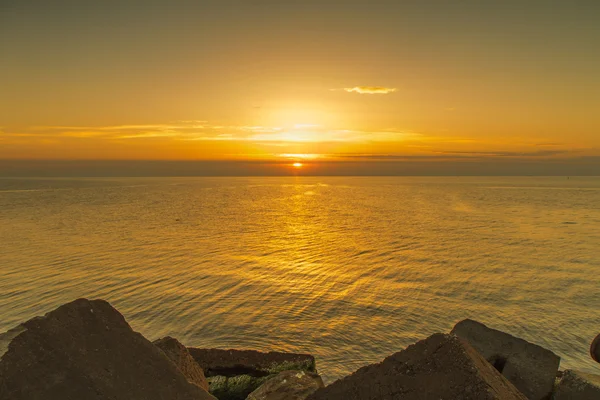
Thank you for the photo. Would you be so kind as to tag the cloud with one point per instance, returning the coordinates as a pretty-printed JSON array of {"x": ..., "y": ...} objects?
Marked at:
[
  {"x": 298, "y": 134},
  {"x": 543, "y": 153},
  {"x": 302, "y": 156},
  {"x": 370, "y": 90},
  {"x": 456, "y": 155},
  {"x": 323, "y": 135},
  {"x": 177, "y": 125},
  {"x": 549, "y": 144},
  {"x": 138, "y": 131},
  {"x": 205, "y": 131}
]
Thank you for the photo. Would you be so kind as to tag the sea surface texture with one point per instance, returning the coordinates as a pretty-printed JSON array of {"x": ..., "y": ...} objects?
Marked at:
[{"x": 348, "y": 269}]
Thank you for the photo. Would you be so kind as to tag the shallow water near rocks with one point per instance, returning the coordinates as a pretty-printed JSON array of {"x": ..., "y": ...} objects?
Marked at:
[{"x": 347, "y": 269}]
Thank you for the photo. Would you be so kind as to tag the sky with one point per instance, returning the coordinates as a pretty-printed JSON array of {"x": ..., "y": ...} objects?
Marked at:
[{"x": 352, "y": 87}]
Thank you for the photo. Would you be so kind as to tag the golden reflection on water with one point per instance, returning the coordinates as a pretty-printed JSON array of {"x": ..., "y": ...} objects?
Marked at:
[{"x": 349, "y": 269}]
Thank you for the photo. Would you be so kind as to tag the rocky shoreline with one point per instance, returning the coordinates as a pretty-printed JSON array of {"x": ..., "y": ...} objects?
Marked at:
[{"x": 86, "y": 350}]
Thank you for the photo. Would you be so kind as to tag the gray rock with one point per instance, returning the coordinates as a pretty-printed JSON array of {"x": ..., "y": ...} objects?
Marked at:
[
  {"x": 531, "y": 368},
  {"x": 86, "y": 350},
  {"x": 180, "y": 355},
  {"x": 576, "y": 385},
  {"x": 288, "y": 385},
  {"x": 441, "y": 367}
]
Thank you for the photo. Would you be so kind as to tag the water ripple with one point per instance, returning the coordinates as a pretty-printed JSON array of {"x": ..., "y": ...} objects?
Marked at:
[{"x": 348, "y": 269}]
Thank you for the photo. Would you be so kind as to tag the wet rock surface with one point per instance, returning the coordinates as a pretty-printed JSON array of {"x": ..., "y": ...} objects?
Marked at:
[
  {"x": 179, "y": 354},
  {"x": 86, "y": 350},
  {"x": 575, "y": 385},
  {"x": 531, "y": 368},
  {"x": 288, "y": 385},
  {"x": 234, "y": 374},
  {"x": 439, "y": 367}
]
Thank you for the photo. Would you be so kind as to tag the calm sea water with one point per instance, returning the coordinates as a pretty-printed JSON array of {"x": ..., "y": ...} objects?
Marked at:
[{"x": 348, "y": 269}]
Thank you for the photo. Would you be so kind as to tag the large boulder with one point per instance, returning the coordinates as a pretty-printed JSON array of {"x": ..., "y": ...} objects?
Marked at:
[
  {"x": 531, "y": 368},
  {"x": 180, "y": 355},
  {"x": 575, "y": 385},
  {"x": 441, "y": 367},
  {"x": 288, "y": 385},
  {"x": 86, "y": 350},
  {"x": 234, "y": 374}
]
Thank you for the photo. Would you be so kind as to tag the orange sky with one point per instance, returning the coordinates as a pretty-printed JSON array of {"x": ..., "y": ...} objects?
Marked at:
[{"x": 313, "y": 80}]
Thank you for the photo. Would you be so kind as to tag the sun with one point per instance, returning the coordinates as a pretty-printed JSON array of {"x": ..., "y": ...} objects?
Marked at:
[{"x": 297, "y": 165}]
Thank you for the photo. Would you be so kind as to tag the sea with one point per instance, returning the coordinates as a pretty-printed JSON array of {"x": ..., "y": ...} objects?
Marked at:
[{"x": 349, "y": 269}]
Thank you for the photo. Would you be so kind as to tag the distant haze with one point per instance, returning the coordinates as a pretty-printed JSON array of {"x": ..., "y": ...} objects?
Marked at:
[{"x": 589, "y": 166}]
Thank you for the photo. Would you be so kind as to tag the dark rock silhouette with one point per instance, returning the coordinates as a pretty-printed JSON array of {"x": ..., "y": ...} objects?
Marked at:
[
  {"x": 439, "y": 367},
  {"x": 86, "y": 350},
  {"x": 531, "y": 368}
]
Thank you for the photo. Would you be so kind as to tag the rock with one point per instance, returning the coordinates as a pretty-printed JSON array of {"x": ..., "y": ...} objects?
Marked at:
[
  {"x": 288, "y": 385},
  {"x": 180, "y": 355},
  {"x": 531, "y": 368},
  {"x": 236, "y": 387},
  {"x": 576, "y": 385},
  {"x": 439, "y": 367},
  {"x": 236, "y": 362},
  {"x": 234, "y": 374},
  {"x": 86, "y": 350},
  {"x": 595, "y": 349}
]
